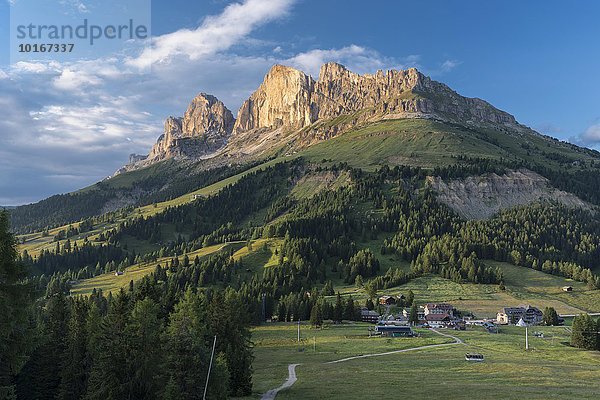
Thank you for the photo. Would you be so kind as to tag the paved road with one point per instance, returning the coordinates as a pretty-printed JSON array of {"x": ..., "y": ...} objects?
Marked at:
[{"x": 270, "y": 395}]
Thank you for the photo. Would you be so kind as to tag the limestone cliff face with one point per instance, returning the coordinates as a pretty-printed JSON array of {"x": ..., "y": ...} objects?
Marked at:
[
  {"x": 283, "y": 99},
  {"x": 166, "y": 142},
  {"x": 290, "y": 98},
  {"x": 206, "y": 115},
  {"x": 204, "y": 128},
  {"x": 291, "y": 108},
  {"x": 481, "y": 197}
]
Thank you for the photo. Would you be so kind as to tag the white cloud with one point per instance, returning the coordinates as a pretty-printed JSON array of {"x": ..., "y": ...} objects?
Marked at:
[
  {"x": 31, "y": 67},
  {"x": 215, "y": 34},
  {"x": 449, "y": 65},
  {"x": 75, "y": 5},
  {"x": 95, "y": 112},
  {"x": 356, "y": 58},
  {"x": 591, "y": 135},
  {"x": 75, "y": 80},
  {"x": 96, "y": 128}
]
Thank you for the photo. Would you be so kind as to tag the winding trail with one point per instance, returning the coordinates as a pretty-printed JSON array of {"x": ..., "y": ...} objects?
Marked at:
[
  {"x": 429, "y": 346},
  {"x": 270, "y": 395}
]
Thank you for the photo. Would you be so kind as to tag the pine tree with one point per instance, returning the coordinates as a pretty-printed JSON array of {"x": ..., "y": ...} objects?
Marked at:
[
  {"x": 41, "y": 376},
  {"x": 338, "y": 309},
  {"x": 371, "y": 289},
  {"x": 316, "y": 317},
  {"x": 107, "y": 377},
  {"x": 16, "y": 337},
  {"x": 74, "y": 371},
  {"x": 349, "y": 310},
  {"x": 144, "y": 356},
  {"x": 233, "y": 341},
  {"x": 414, "y": 314},
  {"x": 328, "y": 289},
  {"x": 550, "y": 316},
  {"x": 359, "y": 283},
  {"x": 187, "y": 353},
  {"x": 584, "y": 333}
]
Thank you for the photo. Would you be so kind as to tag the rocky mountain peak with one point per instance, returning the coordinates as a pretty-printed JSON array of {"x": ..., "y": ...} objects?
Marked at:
[
  {"x": 291, "y": 99},
  {"x": 333, "y": 71},
  {"x": 282, "y": 99},
  {"x": 288, "y": 100},
  {"x": 207, "y": 114},
  {"x": 204, "y": 128}
]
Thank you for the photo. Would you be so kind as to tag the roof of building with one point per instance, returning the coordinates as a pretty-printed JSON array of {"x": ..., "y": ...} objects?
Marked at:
[
  {"x": 437, "y": 317},
  {"x": 371, "y": 313},
  {"x": 397, "y": 328},
  {"x": 512, "y": 310}
]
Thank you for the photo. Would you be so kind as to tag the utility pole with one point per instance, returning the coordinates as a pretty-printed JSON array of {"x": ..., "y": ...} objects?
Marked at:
[
  {"x": 298, "y": 331},
  {"x": 315, "y": 344},
  {"x": 264, "y": 307},
  {"x": 526, "y": 339},
  {"x": 209, "y": 367}
]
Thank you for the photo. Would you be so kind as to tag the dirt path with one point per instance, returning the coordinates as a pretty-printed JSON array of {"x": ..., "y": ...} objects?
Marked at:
[
  {"x": 429, "y": 346},
  {"x": 270, "y": 395}
]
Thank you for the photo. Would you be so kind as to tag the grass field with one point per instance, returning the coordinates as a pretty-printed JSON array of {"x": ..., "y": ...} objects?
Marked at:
[
  {"x": 401, "y": 142},
  {"x": 549, "y": 370},
  {"x": 523, "y": 286},
  {"x": 277, "y": 346},
  {"x": 261, "y": 254},
  {"x": 110, "y": 282}
]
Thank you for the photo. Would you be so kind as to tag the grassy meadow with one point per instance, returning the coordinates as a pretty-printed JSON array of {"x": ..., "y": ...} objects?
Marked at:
[
  {"x": 549, "y": 370},
  {"x": 110, "y": 282}
]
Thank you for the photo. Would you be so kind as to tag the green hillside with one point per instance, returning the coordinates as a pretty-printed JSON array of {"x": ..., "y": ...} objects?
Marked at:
[
  {"x": 416, "y": 142},
  {"x": 426, "y": 143},
  {"x": 352, "y": 216}
]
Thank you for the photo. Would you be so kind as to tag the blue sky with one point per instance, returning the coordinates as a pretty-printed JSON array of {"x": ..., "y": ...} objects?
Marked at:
[{"x": 67, "y": 123}]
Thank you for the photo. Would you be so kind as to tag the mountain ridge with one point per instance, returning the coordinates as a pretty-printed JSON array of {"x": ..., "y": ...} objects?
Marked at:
[
  {"x": 340, "y": 118},
  {"x": 291, "y": 101}
]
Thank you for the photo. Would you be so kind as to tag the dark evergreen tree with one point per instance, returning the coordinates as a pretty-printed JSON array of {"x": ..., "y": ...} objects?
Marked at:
[
  {"x": 145, "y": 352},
  {"x": 414, "y": 314},
  {"x": 316, "y": 316},
  {"x": 74, "y": 367},
  {"x": 108, "y": 379},
  {"x": 550, "y": 316},
  {"x": 16, "y": 336}
]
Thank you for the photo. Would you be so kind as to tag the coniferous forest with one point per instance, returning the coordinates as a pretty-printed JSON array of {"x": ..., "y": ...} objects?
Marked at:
[{"x": 153, "y": 338}]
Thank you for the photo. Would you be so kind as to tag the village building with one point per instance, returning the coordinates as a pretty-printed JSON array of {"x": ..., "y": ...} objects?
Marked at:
[
  {"x": 439, "y": 308},
  {"x": 420, "y": 313},
  {"x": 387, "y": 300},
  {"x": 511, "y": 315},
  {"x": 367, "y": 315},
  {"x": 394, "y": 330},
  {"x": 437, "y": 320}
]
